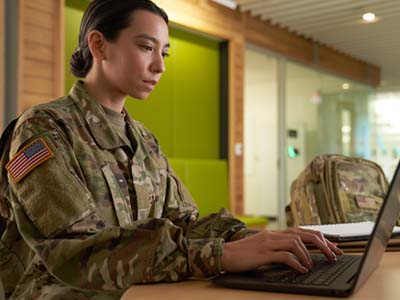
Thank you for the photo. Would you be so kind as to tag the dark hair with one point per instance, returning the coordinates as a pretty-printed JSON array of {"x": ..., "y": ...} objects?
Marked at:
[{"x": 109, "y": 17}]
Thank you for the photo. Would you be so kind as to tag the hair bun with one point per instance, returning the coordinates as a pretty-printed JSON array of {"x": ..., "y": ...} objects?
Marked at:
[{"x": 78, "y": 65}]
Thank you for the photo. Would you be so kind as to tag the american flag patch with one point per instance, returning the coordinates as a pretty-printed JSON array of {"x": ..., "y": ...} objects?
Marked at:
[{"x": 28, "y": 158}]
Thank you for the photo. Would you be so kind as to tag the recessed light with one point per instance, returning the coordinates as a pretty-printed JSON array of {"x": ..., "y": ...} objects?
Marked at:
[
  {"x": 228, "y": 3},
  {"x": 368, "y": 17},
  {"x": 345, "y": 86}
]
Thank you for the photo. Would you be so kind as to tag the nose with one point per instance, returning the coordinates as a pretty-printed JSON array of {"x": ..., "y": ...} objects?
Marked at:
[{"x": 158, "y": 64}]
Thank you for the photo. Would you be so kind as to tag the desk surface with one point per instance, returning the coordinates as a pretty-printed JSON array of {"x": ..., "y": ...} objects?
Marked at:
[{"x": 383, "y": 284}]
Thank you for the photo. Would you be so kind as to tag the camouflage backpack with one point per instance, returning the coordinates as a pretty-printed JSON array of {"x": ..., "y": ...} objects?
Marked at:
[{"x": 336, "y": 189}]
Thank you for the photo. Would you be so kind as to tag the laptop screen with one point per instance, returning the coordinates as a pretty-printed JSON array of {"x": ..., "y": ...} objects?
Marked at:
[{"x": 382, "y": 231}]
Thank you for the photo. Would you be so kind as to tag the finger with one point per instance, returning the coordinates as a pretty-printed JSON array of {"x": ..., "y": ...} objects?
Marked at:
[
  {"x": 286, "y": 236},
  {"x": 318, "y": 233},
  {"x": 331, "y": 245},
  {"x": 295, "y": 246},
  {"x": 289, "y": 259},
  {"x": 334, "y": 248},
  {"x": 317, "y": 239}
]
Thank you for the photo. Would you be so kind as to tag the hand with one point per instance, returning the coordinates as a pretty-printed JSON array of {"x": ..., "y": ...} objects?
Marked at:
[{"x": 286, "y": 247}]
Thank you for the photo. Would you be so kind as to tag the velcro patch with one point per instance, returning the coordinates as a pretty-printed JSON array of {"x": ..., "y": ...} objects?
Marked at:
[
  {"x": 28, "y": 159},
  {"x": 366, "y": 202}
]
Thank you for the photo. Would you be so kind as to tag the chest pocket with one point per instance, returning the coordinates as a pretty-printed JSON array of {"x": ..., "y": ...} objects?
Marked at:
[
  {"x": 150, "y": 186},
  {"x": 122, "y": 206}
]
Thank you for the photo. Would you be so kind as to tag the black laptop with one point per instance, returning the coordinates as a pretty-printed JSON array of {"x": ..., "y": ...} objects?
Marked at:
[{"x": 338, "y": 279}]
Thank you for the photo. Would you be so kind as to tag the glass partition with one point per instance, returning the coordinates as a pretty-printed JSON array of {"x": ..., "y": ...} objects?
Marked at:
[{"x": 325, "y": 114}]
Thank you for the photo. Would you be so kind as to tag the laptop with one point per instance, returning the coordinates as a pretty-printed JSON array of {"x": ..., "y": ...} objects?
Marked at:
[{"x": 339, "y": 279}]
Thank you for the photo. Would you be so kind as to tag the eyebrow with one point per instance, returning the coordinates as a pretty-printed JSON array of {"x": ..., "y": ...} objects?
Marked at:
[{"x": 153, "y": 39}]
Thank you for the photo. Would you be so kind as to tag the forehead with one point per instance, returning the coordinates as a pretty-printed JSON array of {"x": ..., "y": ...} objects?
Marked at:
[{"x": 144, "y": 22}]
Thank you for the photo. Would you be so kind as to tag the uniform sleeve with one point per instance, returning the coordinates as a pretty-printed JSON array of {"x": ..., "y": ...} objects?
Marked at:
[{"x": 56, "y": 216}]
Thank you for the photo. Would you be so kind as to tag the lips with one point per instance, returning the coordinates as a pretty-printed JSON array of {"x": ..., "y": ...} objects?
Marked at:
[{"x": 150, "y": 82}]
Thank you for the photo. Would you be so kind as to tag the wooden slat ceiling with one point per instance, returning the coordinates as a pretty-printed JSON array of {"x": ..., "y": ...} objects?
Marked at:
[{"x": 339, "y": 24}]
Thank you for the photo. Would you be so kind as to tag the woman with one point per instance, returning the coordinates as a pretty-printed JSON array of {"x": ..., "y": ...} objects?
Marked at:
[{"x": 96, "y": 206}]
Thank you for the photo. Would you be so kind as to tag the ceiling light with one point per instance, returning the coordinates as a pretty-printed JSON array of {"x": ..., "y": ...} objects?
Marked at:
[
  {"x": 345, "y": 86},
  {"x": 368, "y": 17},
  {"x": 227, "y": 3}
]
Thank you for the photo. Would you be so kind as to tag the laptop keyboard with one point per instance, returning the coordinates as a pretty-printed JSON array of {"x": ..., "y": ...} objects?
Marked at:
[{"x": 322, "y": 273}]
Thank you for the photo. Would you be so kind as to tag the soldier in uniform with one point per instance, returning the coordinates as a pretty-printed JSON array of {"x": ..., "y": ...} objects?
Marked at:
[{"x": 91, "y": 203}]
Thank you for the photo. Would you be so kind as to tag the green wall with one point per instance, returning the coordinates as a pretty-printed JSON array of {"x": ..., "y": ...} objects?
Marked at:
[{"x": 183, "y": 111}]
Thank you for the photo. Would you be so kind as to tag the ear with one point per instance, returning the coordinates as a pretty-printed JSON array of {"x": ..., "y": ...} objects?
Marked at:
[{"x": 96, "y": 43}]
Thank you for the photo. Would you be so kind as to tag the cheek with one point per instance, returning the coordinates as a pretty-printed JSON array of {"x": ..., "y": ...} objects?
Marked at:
[
  {"x": 127, "y": 67},
  {"x": 138, "y": 62}
]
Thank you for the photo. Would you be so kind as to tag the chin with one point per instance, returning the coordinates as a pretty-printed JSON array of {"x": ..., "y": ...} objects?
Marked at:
[{"x": 140, "y": 96}]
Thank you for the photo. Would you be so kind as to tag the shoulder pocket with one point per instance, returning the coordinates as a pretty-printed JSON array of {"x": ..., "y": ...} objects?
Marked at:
[{"x": 53, "y": 195}]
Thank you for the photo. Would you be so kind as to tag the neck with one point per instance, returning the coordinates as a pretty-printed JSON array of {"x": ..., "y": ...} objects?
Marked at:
[{"x": 101, "y": 90}]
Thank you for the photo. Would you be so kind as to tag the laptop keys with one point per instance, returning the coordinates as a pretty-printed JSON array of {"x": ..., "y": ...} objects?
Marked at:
[{"x": 323, "y": 272}]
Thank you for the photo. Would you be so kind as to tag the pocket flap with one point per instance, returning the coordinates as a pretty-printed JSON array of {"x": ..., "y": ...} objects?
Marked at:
[{"x": 368, "y": 202}]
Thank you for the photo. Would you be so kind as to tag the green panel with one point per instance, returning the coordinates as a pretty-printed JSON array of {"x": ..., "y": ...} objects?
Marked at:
[
  {"x": 253, "y": 221},
  {"x": 196, "y": 85},
  {"x": 207, "y": 181},
  {"x": 179, "y": 167},
  {"x": 77, "y": 4}
]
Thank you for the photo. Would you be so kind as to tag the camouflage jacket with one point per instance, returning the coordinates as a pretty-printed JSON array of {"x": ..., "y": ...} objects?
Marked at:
[{"x": 71, "y": 230}]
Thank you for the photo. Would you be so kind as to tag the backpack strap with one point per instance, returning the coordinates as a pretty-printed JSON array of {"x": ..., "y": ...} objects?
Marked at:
[{"x": 5, "y": 142}]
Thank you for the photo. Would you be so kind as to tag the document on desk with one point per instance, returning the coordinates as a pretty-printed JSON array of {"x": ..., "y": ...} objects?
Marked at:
[{"x": 348, "y": 231}]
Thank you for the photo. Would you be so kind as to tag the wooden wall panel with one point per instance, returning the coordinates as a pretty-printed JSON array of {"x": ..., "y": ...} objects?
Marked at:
[
  {"x": 38, "y": 69},
  {"x": 236, "y": 115},
  {"x": 40, "y": 19},
  {"x": 343, "y": 65},
  {"x": 2, "y": 84},
  {"x": 40, "y": 57},
  {"x": 290, "y": 45},
  {"x": 48, "y": 6},
  {"x": 38, "y": 52},
  {"x": 38, "y": 34}
]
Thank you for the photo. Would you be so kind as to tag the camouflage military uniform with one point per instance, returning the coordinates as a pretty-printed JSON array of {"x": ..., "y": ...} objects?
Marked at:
[{"x": 83, "y": 227}]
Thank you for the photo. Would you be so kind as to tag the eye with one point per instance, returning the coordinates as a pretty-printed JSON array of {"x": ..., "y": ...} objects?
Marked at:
[
  {"x": 147, "y": 47},
  {"x": 165, "y": 54}
]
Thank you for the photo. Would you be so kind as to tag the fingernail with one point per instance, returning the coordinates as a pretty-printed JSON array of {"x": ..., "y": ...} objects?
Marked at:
[{"x": 304, "y": 270}]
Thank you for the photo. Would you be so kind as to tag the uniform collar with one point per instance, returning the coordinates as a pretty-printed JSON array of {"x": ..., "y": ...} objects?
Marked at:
[
  {"x": 96, "y": 118},
  {"x": 142, "y": 149}
]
